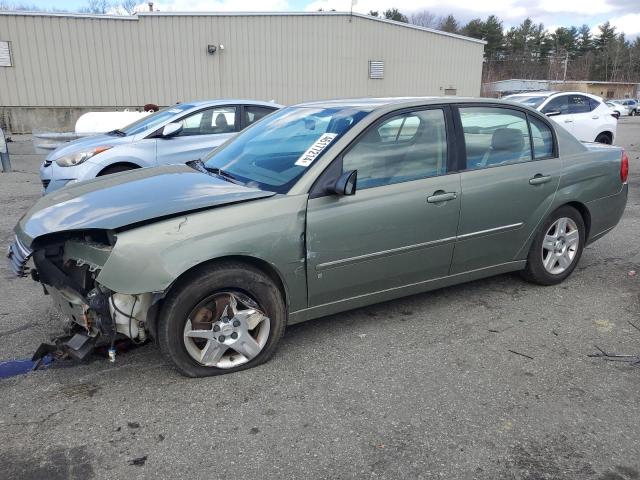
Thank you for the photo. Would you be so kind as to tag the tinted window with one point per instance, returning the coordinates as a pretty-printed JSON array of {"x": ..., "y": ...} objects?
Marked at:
[
  {"x": 253, "y": 113},
  {"x": 209, "y": 122},
  {"x": 558, "y": 104},
  {"x": 273, "y": 154},
  {"x": 593, "y": 103},
  {"x": 541, "y": 137},
  {"x": 579, "y": 104},
  {"x": 402, "y": 148},
  {"x": 494, "y": 136}
]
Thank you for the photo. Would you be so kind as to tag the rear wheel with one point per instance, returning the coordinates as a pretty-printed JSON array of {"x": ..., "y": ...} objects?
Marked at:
[
  {"x": 557, "y": 247},
  {"x": 604, "y": 138},
  {"x": 221, "y": 320}
]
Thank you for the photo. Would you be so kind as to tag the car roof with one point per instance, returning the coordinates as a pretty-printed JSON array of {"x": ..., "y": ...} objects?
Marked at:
[
  {"x": 229, "y": 101},
  {"x": 371, "y": 104}
]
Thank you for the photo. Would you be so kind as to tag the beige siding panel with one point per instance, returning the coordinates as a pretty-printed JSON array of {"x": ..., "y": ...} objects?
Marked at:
[{"x": 79, "y": 61}]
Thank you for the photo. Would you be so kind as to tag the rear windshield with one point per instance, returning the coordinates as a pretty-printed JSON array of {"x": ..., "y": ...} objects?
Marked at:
[{"x": 275, "y": 152}]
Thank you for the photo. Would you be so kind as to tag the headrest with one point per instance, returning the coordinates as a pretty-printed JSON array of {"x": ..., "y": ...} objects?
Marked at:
[
  {"x": 221, "y": 120},
  {"x": 507, "y": 139}
]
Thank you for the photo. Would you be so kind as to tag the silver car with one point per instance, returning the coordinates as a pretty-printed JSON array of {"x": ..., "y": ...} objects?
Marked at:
[{"x": 176, "y": 134}]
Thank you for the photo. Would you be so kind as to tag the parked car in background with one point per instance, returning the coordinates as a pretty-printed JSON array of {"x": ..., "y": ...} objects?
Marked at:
[
  {"x": 317, "y": 209},
  {"x": 176, "y": 134},
  {"x": 585, "y": 116},
  {"x": 618, "y": 110},
  {"x": 631, "y": 105}
]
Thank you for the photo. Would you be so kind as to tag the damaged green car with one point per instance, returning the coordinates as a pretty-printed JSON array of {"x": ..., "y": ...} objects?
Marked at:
[{"x": 316, "y": 209}]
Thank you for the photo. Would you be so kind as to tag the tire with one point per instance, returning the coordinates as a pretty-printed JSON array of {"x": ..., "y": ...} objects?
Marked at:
[
  {"x": 252, "y": 290},
  {"x": 116, "y": 169},
  {"x": 603, "y": 138},
  {"x": 554, "y": 273}
]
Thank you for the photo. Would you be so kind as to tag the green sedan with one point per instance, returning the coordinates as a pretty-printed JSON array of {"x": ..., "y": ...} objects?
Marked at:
[{"x": 317, "y": 209}]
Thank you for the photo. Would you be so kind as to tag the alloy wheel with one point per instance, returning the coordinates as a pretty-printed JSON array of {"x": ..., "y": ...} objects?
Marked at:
[{"x": 560, "y": 245}]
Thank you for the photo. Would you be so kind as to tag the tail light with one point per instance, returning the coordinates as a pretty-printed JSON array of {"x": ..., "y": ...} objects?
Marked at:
[{"x": 624, "y": 167}]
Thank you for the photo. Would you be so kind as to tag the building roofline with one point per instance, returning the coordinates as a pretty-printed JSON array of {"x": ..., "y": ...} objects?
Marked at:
[{"x": 138, "y": 15}]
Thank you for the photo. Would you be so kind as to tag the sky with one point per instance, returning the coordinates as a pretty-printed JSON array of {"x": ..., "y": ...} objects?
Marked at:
[{"x": 624, "y": 14}]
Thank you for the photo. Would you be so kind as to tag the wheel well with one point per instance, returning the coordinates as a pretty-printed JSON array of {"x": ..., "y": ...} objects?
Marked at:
[
  {"x": 609, "y": 135},
  {"x": 258, "y": 263},
  {"x": 586, "y": 216},
  {"x": 118, "y": 164}
]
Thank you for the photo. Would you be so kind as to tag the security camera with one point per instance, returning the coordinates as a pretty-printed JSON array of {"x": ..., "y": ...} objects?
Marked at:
[{"x": 211, "y": 49}]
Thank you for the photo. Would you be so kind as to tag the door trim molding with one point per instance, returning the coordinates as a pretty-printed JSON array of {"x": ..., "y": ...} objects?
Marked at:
[
  {"x": 383, "y": 253},
  {"x": 410, "y": 248},
  {"x": 490, "y": 231}
]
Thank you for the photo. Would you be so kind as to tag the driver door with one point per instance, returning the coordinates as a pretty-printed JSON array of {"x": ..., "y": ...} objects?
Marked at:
[{"x": 400, "y": 226}]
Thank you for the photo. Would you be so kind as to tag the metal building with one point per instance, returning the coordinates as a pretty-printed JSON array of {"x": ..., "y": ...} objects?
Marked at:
[{"x": 55, "y": 66}]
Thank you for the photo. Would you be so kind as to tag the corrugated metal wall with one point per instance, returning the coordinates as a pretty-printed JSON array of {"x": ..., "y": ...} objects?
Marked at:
[{"x": 70, "y": 61}]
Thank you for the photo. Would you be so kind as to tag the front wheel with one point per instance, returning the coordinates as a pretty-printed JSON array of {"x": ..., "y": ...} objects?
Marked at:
[
  {"x": 604, "y": 138},
  {"x": 557, "y": 247},
  {"x": 222, "y": 319}
]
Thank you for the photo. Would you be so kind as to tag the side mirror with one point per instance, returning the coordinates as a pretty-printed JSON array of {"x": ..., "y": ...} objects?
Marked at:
[
  {"x": 553, "y": 113},
  {"x": 171, "y": 130},
  {"x": 345, "y": 184}
]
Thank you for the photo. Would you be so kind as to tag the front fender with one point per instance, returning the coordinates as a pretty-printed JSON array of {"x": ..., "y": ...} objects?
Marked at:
[{"x": 151, "y": 257}]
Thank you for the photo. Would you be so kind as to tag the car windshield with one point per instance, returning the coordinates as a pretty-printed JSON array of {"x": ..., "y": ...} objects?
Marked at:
[
  {"x": 531, "y": 100},
  {"x": 155, "y": 119},
  {"x": 275, "y": 152}
]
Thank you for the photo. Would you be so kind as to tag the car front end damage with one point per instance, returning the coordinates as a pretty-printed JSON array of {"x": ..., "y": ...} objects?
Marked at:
[{"x": 68, "y": 266}]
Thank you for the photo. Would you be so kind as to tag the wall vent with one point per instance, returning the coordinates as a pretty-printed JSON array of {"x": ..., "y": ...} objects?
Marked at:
[
  {"x": 376, "y": 69},
  {"x": 5, "y": 54}
]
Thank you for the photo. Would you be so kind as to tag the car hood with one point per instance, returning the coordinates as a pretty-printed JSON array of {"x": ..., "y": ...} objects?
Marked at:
[
  {"x": 119, "y": 200},
  {"x": 87, "y": 143}
]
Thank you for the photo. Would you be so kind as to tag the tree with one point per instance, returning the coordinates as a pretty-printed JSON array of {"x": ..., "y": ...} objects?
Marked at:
[
  {"x": 96, "y": 6},
  {"x": 129, "y": 6},
  {"x": 424, "y": 18},
  {"x": 449, "y": 24},
  {"x": 395, "y": 14},
  {"x": 373, "y": 13}
]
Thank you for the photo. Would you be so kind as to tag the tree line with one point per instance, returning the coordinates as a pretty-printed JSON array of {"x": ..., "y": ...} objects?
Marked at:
[{"x": 530, "y": 51}]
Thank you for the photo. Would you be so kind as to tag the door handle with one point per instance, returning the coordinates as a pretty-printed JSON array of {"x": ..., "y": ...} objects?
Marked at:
[
  {"x": 568, "y": 120},
  {"x": 441, "y": 196},
  {"x": 539, "y": 179},
  {"x": 595, "y": 117}
]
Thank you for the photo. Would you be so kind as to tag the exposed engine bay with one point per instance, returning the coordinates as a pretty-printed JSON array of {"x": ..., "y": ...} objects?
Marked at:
[{"x": 68, "y": 267}]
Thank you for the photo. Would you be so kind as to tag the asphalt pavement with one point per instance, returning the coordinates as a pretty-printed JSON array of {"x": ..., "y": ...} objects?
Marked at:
[{"x": 486, "y": 380}]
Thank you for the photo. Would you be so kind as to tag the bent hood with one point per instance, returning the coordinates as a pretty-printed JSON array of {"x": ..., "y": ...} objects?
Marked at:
[{"x": 126, "y": 198}]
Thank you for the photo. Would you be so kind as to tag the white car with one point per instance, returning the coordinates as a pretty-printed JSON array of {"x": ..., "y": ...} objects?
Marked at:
[
  {"x": 585, "y": 116},
  {"x": 618, "y": 110}
]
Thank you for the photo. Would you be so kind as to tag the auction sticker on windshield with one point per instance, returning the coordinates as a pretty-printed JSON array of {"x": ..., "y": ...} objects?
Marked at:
[{"x": 316, "y": 149}]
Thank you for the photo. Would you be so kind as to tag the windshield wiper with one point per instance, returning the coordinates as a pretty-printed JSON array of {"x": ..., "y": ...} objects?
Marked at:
[
  {"x": 201, "y": 167},
  {"x": 117, "y": 132}
]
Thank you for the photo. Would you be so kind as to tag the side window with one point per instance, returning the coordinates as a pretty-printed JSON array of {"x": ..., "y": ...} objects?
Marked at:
[
  {"x": 494, "y": 136},
  {"x": 558, "y": 104},
  {"x": 578, "y": 104},
  {"x": 593, "y": 104},
  {"x": 209, "y": 122},
  {"x": 253, "y": 113},
  {"x": 400, "y": 149},
  {"x": 542, "y": 138}
]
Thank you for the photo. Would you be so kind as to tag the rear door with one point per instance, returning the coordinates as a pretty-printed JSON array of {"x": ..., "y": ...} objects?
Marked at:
[
  {"x": 558, "y": 110},
  {"x": 586, "y": 121},
  {"x": 202, "y": 131},
  {"x": 508, "y": 184},
  {"x": 400, "y": 226}
]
